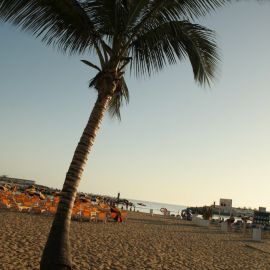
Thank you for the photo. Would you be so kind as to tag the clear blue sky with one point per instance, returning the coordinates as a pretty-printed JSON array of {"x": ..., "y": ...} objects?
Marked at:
[{"x": 177, "y": 142}]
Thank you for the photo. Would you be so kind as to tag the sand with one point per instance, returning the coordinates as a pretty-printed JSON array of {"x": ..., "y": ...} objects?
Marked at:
[{"x": 143, "y": 242}]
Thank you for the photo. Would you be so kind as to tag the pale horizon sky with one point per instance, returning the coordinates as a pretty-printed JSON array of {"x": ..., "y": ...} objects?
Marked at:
[{"x": 177, "y": 142}]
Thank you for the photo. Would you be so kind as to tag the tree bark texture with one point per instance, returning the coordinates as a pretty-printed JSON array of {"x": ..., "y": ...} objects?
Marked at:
[{"x": 57, "y": 254}]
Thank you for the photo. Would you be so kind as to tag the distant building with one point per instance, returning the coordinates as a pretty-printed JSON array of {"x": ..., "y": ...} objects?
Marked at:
[
  {"x": 262, "y": 209},
  {"x": 16, "y": 181},
  {"x": 225, "y": 206}
]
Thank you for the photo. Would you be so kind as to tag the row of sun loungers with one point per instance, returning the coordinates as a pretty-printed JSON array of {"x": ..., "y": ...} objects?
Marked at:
[{"x": 83, "y": 211}]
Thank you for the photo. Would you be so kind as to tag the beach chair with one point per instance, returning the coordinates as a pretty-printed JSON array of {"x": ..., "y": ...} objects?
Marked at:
[
  {"x": 4, "y": 203},
  {"x": 104, "y": 206},
  {"x": 14, "y": 206},
  {"x": 34, "y": 199},
  {"x": 84, "y": 205},
  {"x": 102, "y": 216},
  {"x": 93, "y": 215},
  {"x": 86, "y": 214},
  {"x": 36, "y": 210},
  {"x": 56, "y": 200},
  {"x": 25, "y": 209},
  {"x": 19, "y": 198},
  {"x": 48, "y": 204},
  {"x": 113, "y": 215},
  {"x": 38, "y": 206},
  {"x": 76, "y": 213},
  {"x": 26, "y": 202},
  {"x": 42, "y": 204},
  {"x": 52, "y": 209}
]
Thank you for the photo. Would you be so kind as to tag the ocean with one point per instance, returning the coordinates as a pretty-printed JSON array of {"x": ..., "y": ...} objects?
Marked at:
[
  {"x": 156, "y": 206},
  {"x": 173, "y": 208}
]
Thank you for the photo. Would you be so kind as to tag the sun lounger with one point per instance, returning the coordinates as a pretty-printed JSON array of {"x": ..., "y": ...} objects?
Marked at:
[
  {"x": 114, "y": 215},
  {"x": 93, "y": 216},
  {"x": 4, "y": 203},
  {"x": 86, "y": 214},
  {"x": 25, "y": 208},
  {"x": 36, "y": 210},
  {"x": 56, "y": 200},
  {"x": 76, "y": 213},
  {"x": 102, "y": 216},
  {"x": 51, "y": 210}
]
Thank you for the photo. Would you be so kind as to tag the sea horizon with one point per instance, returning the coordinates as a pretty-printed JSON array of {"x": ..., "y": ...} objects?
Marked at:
[{"x": 156, "y": 206}]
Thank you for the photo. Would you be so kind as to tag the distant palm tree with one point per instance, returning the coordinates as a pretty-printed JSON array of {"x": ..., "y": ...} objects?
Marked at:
[{"x": 144, "y": 35}]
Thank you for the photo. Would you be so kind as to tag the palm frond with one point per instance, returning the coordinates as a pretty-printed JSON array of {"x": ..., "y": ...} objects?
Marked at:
[
  {"x": 110, "y": 15},
  {"x": 93, "y": 83},
  {"x": 62, "y": 23},
  {"x": 120, "y": 96},
  {"x": 170, "y": 42},
  {"x": 88, "y": 63},
  {"x": 190, "y": 9},
  {"x": 160, "y": 11},
  {"x": 136, "y": 8}
]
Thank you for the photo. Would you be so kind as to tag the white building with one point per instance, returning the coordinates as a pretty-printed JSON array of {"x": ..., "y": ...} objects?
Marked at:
[{"x": 225, "y": 206}]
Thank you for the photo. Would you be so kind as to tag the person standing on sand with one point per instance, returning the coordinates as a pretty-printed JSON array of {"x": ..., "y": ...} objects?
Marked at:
[{"x": 118, "y": 217}]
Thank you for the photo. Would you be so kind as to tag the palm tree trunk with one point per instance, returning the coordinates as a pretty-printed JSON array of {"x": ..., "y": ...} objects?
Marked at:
[{"x": 57, "y": 254}]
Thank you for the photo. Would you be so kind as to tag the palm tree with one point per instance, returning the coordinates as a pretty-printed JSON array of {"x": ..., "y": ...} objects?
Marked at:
[{"x": 142, "y": 35}]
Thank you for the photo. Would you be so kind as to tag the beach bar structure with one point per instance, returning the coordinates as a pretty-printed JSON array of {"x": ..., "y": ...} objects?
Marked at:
[{"x": 16, "y": 181}]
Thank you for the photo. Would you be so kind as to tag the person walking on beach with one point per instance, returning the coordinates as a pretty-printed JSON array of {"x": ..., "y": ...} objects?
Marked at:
[{"x": 118, "y": 216}]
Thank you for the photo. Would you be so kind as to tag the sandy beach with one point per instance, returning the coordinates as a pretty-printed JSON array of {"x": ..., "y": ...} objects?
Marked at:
[{"x": 143, "y": 242}]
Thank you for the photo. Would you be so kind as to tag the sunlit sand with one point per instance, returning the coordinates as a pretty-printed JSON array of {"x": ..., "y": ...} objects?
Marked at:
[{"x": 142, "y": 242}]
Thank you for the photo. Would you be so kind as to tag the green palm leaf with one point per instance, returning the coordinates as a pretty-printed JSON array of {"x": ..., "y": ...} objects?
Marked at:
[
  {"x": 120, "y": 96},
  {"x": 159, "y": 11},
  {"x": 169, "y": 42},
  {"x": 62, "y": 23}
]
